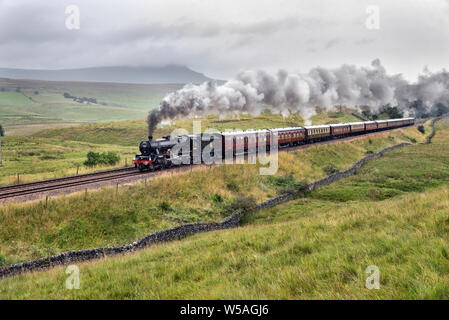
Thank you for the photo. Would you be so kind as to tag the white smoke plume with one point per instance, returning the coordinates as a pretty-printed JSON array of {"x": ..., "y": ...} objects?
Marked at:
[{"x": 285, "y": 93}]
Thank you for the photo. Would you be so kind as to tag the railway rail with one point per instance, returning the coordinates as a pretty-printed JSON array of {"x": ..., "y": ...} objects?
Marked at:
[{"x": 39, "y": 188}]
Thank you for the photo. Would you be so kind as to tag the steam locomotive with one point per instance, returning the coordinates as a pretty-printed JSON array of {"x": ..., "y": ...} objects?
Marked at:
[{"x": 157, "y": 154}]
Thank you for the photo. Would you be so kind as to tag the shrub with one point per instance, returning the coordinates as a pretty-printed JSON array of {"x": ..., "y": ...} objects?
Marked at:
[
  {"x": 96, "y": 158},
  {"x": 165, "y": 206},
  {"x": 5, "y": 261},
  {"x": 242, "y": 204},
  {"x": 2, "y": 131},
  {"x": 288, "y": 184},
  {"x": 232, "y": 186},
  {"x": 330, "y": 169},
  {"x": 421, "y": 129},
  {"x": 374, "y": 193},
  {"x": 216, "y": 198}
]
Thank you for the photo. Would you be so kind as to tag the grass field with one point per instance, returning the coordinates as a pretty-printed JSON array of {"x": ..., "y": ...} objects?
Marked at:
[
  {"x": 314, "y": 247},
  {"x": 30, "y": 230},
  {"x": 42, "y": 102},
  {"x": 315, "y": 256}
]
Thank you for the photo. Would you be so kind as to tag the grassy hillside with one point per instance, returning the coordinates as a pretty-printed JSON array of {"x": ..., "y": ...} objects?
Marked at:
[
  {"x": 104, "y": 218},
  {"x": 38, "y": 158},
  {"x": 42, "y": 102},
  {"x": 312, "y": 247}
]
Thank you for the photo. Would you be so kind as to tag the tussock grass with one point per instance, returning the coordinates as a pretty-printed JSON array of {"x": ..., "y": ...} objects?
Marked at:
[{"x": 318, "y": 255}]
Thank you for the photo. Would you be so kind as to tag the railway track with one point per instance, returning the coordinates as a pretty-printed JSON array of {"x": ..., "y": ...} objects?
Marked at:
[
  {"x": 65, "y": 183},
  {"x": 38, "y": 187}
]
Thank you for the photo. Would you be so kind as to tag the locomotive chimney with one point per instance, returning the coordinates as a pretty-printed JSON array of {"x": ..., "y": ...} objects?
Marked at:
[{"x": 150, "y": 138}]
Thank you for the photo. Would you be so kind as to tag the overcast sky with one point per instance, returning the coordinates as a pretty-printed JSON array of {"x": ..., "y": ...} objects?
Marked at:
[{"x": 222, "y": 37}]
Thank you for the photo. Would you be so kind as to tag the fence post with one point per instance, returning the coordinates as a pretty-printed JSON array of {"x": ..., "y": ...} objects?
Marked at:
[
  {"x": 77, "y": 169},
  {"x": 18, "y": 179}
]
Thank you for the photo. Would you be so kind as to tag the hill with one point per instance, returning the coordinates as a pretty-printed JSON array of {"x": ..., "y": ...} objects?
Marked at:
[
  {"x": 122, "y": 74},
  {"x": 32, "y": 103}
]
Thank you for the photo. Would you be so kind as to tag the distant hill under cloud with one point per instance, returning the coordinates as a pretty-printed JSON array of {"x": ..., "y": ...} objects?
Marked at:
[{"x": 145, "y": 75}]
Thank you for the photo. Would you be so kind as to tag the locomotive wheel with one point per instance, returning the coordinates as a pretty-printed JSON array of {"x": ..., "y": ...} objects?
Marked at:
[{"x": 141, "y": 167}]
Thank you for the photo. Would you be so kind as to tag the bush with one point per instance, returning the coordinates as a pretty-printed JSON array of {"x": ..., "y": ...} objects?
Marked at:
[
  {"x": 216, "y": 198},
  {"x": 242, "y": 204},
  {"x": 330, "y": 169},
  {"x": 232, "y": 186},
  {"x": 96, "y": 158},
  {"x": 2, "y": 131},
  {"x": 421, "y": 129},
  {"x": 288, "y": 184},
  {"x": 5, "y": 261},
  {"x": 165, "y": 206}
]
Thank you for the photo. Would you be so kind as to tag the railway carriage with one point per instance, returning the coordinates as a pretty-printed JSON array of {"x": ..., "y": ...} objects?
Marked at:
[
  {"x": 241, "y": 142},
  {"x": 357, "y": 127},
  {"x": 290, "y": 136},
  {"x": 409, "y": 121},
  {"x": 370, "y": 126},
  {"x": 340, "y": 130},
  {"x": 317, "y": 133},
  {"x": 395, "y": 123},
  {"x": 382, "y": 124}
]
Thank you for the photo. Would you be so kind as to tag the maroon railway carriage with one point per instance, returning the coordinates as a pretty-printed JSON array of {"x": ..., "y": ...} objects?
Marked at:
[
  {"x": 240, "y": 142},
  {"x": 290, "y": 136},
  {"x": 338, "y": 130},
  {"x": 382, "y": 124},
  {"x": 370, "y": 125},
  {"x": 395, "y": 123}
]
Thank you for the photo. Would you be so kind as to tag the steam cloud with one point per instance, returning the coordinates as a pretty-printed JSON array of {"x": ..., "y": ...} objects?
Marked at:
[{"x": 285, "y": 93}]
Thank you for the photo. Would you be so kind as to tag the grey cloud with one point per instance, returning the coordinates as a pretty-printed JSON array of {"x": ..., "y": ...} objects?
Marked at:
[
  {"x": 364, "y": 41},
  {"x": 222, "y": 37},
  {"x": 332, "y": 43}
]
